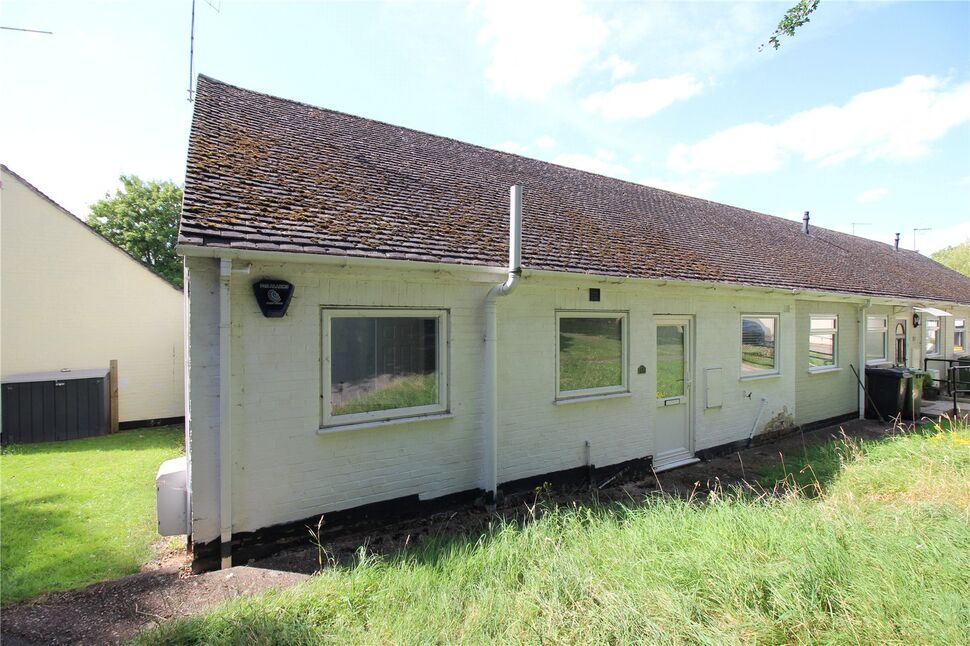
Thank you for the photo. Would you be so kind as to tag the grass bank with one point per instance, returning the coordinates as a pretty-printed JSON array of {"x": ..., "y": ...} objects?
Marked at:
[
  {"x": 879, "y": 552},
  {"x": 79, "y": 512}
]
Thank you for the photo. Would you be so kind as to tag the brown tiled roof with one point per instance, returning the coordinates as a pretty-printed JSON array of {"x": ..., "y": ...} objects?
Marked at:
[{"x": 266, "y": 173}]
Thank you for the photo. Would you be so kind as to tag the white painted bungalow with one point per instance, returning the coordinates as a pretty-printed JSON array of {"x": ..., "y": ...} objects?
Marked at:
[
  {"x": 367, "y": 334},
  {"x": 72, "y": 301}
]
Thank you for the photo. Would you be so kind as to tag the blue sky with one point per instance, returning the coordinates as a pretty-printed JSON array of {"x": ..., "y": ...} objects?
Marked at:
[{"x": 863, "y": 117}]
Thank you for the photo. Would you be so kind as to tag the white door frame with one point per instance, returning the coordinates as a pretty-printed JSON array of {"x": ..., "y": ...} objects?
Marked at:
[{"x": 691, "y": 378}]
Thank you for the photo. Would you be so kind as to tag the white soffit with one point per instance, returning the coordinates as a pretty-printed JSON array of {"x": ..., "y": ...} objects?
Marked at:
[{"x": 932, "y": 311}]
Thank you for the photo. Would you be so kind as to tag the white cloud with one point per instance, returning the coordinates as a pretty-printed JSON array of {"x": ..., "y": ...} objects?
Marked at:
[
  {"x": 872, "y": 195},
  {"x": 535, "y": 47},
  {"x": 895, "y": 123},
  {"x": 602, "y": 163},
  {"x": 637, "y": 100},
  {"x": 545, "y": 141},
  {"x": 619, "y": 68},
  {"x": 704, "y": 38},
  {"x": 698, "y": 188},
  {"x": 512, "y": 147}
]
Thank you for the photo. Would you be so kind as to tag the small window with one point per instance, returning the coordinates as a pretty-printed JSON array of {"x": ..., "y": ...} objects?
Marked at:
[
  {"x": 383, "y": 364},
  {"x": 823, "y": 342},
  {"x": 933, "y": 333},
  {"x": 959, "y": 335},
  {"x": 591, "y": 357},
  {"x": 759, "y": 345},
  {"x": 876, "y": 339}
]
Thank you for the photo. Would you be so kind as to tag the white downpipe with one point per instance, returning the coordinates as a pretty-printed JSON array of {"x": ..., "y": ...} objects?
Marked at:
[
  {"x": 754, "y": 427},
  {"x": 490, "y": 413},
  {"x": 863, "y": 329},
  {"x": 225, "y": 412}
]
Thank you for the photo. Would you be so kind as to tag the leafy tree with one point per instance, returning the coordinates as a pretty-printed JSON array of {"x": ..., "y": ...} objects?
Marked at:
[
  {"x": 794, "y": 18},
  {"x": 956, "y": 257},
  {"x": 142, "y": 218}
]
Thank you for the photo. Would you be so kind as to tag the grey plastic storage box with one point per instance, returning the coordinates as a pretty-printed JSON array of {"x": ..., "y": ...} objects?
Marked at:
[{"x": 52, "y": 406}]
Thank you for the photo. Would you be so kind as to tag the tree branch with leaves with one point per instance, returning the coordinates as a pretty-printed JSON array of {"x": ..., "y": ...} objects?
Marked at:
[
  {"x": 143, "y": 218},
  {"x": 797, "y": 16}
]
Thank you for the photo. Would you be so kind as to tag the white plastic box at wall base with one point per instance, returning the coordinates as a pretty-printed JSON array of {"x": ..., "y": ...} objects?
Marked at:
[{"x": 171, "y": 500}]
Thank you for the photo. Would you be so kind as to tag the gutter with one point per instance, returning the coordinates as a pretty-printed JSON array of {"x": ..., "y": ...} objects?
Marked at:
[
  {"x": 487, "y": 271},
  {"x": 342, "y": 262},
  {"x": 490, "y": 378}
]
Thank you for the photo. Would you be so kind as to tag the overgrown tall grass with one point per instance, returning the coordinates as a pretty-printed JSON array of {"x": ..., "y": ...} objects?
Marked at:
[{"x": 880, "y": 554}]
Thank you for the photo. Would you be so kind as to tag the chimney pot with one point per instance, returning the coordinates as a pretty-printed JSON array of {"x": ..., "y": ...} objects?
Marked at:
[
  {"x": 897, "y": 242},
  {"x": 805, "y": 222}
]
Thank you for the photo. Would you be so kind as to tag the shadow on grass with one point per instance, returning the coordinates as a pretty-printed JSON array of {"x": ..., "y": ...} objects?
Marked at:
[
  {"x": 138, "y": 439},
  {"x": 41, "y": 551}
]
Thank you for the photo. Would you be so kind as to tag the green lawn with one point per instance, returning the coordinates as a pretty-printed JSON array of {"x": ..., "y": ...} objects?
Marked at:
[
  {"x": 878, "y": 552},
  {"x": 74, "y": 513}
]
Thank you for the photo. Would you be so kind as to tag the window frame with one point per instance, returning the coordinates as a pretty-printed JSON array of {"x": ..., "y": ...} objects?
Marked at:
[
  {"x": 835, "y": 342},
  {"x": 938, "y": 337},
  {"x": 776, "y": 370},
  {"x": 624, "y": 386},
  {"x": 442, "y": 372},
  {"x": 960, "y": 330},
  {"x": 885, "y": 339}
]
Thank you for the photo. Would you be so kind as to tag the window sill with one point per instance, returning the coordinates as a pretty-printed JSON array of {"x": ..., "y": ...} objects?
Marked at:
[
  {"x": 588, "y": 398},
  {"x": 876, "y": 362},
  {"x": 760, "y": 375},
  {"x": 355, "y": 426},
  {"x": 822, "y": 371}
]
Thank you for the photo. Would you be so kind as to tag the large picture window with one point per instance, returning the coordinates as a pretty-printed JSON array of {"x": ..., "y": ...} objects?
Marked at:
[
  {"x": 759, "y": 344},
  {"x": 877, "y": 336},
  {"x": 823, "y": 342},
  {"x": 383, "y": 364},
  {"x": 592, "y": 356}
]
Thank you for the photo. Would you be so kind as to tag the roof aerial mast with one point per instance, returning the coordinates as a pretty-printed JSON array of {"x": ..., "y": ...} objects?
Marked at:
[{"x": 216, "y": 6}]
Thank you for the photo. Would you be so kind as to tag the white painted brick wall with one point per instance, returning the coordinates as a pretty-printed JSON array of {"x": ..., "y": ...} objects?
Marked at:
[
  {"x": 202, "y": 376},
  {"x": 283, "y": 470},
  {"x": 821, "y": 395}
]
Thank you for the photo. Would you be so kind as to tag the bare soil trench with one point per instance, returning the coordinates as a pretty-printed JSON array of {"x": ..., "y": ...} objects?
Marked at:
[{"x": 114, "y": 611}]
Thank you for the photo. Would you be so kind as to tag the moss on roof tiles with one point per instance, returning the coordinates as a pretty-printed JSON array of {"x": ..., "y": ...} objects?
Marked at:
[{"x": 269, "y": 173}]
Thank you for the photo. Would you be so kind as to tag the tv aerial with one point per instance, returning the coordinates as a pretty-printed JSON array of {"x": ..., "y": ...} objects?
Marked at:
[{"x": 217, "y": 5}]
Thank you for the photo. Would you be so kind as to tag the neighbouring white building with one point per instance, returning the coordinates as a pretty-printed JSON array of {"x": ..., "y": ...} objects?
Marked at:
[
  {"x": 363, "y": 337},
  {"x": 72, "y": 300}
]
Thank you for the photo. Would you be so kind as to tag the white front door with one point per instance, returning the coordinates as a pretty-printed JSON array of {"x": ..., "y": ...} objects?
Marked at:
[{"x": 673, "y": 445}]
